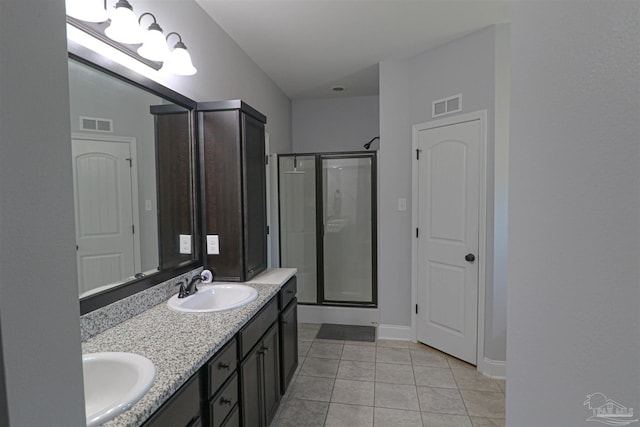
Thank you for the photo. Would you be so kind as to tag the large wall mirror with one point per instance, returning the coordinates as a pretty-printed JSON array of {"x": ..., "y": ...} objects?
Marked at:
[{"x": 134, "y": 169}]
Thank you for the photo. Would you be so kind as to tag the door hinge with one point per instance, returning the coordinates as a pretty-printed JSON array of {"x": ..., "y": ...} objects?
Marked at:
[
  {"x": 267, "y": 229},
  {"x": 133, "y": 229},
  {"x": 416, "y": 308},
  {"x": 417, "y": 233},
  {"x": 266, "y": 159},
  {"x": 130, "y": 162},
  {"x": 418, "y": 154}
]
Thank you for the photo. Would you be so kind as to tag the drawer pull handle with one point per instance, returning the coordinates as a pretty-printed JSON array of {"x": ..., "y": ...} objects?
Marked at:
[
  {"x": 263, "y": 350},
  {"x": 223, "y": 365},
  {"x": 224, "y": 401},
  {"x": 284, "y": 322}
]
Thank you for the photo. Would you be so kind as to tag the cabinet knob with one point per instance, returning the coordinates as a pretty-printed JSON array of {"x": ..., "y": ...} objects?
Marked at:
[
  {"x": 224, "y": 401},
  {"x": 223, "y": 365}
]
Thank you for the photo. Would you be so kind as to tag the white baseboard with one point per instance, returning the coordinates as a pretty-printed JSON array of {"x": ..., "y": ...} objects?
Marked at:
[
  {"x": 394, "y": 332},
  {"x": 496, "y": 369},
  {"x": 338, "y": 315}
]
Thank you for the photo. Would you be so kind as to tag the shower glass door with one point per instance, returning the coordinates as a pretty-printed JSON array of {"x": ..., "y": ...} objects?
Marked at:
[
  {"x": 297, "y": 178},
  {"x": 347, "y": 216},
  {"x": 328, "y": 226}
]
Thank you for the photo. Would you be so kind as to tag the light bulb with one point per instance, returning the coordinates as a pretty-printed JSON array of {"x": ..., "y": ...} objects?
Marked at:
[
  {"x": 87, "y": 10},
  {"x": 154, "y": 46},
  {"x": 124, "y": 26},
  {"x": 179, "y": 62}
]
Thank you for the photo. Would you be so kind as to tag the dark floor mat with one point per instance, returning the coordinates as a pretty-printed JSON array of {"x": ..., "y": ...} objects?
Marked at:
[{"x": 329, "y": 331}]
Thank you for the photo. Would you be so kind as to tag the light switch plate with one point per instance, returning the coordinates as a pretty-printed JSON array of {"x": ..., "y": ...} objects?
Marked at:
[
  {"x": 185, "y": 243},
  {"x": 402, "y": 204},
  {"x": 213, "y": 244}
]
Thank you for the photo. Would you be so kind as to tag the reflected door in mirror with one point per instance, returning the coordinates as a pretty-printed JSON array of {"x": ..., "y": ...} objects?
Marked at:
[{"x": 103, "y": 188}]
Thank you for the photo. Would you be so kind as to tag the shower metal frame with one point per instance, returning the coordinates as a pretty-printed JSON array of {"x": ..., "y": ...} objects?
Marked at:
[{"x": 318, "y": 157}]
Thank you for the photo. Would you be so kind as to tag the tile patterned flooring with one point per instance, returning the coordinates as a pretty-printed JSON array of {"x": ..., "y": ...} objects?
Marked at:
[{"x": 385, "y": 384}]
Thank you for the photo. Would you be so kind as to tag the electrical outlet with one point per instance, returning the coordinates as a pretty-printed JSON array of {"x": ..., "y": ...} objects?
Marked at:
[
  {"x": 185, "y": 243},
  {"x": 213, "y": 244}
]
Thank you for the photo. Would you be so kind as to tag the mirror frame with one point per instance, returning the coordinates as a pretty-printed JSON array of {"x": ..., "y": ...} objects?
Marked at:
[{"x": 86, "y": 56}]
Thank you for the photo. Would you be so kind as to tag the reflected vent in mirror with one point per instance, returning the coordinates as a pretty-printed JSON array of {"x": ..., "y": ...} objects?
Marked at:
[
  {"x": 94, "y": 124},
  {"x": 448, "y": 105}
]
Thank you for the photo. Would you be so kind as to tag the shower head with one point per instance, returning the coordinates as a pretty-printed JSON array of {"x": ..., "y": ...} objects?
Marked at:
[{"x": 368, "y": 144}]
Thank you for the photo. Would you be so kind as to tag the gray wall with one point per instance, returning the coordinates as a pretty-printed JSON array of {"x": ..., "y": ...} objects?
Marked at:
[
  {"x": 38, "y": 292},
  {"x": 407, "y": 89},
  {"x": 338, "y": 124},
  {"x": 95, "y": 94},
  {"x": 574, "y": 210}
]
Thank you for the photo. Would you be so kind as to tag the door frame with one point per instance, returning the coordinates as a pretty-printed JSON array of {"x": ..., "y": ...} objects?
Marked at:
[
  {"x": 480, "y": 115},
  {"x": 133, "y": 151}
]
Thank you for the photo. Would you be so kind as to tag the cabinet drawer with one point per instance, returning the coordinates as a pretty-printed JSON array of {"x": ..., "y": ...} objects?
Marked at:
[
  {"x": 287, "y": 293},
  {"x": 222, "y": 404},
  {"x": 234, "y": 418},
  {"x": 181, "y": 410},
  {"x": 253, "y": 331},
  {"x": 222, "y": 366}
]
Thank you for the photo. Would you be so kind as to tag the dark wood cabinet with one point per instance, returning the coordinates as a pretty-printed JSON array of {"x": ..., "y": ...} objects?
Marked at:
[
  {"x": 181, "y": 410},
  {"x": 260, "y": 373},
  {"x": 288, "y": 322},
  {"x": 234, "y": 188},
  {"x": 219, "y": 387},
  {"x": 174, "y": 177},
  {"x": 288, "y": 344}
]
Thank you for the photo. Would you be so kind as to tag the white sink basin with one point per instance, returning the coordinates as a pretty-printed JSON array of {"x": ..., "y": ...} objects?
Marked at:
[
  {"x": 214, "y": 298},
  {"x": 113, "y": 382}
]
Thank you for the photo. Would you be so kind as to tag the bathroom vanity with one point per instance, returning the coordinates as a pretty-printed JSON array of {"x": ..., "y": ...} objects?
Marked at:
[{"x": 216, "y": 369}]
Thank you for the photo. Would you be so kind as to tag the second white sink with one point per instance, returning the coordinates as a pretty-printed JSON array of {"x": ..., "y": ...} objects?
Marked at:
[
  {"x": 113, "y": 382},
  {"x": 210, "y": 298}
]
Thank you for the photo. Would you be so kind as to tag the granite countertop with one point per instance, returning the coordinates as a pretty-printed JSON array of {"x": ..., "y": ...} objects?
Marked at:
[{"x": 178, "y": 343}]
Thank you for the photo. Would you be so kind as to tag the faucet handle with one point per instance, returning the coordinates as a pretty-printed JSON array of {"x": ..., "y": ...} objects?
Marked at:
[
  {"x": 206, "y": 276},
  {"x": 182, "y": 292}
]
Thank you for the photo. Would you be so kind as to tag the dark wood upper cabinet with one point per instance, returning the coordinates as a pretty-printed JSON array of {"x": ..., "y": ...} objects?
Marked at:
[
  {"x": 174, "y": 183},
  {"x": 234, "y": 188}
]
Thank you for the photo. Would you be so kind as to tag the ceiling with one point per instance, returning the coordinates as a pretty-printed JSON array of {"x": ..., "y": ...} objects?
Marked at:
[{"x": 309, "y": 46}]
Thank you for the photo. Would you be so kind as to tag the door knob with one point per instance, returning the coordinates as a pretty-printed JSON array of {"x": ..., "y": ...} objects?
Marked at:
[{"x": 470, "y": 257}]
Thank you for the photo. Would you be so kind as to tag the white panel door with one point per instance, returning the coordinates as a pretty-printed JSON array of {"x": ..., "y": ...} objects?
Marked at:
[
  {"x": 448, "y": 209},
  {"x": 103, "y": 211}
]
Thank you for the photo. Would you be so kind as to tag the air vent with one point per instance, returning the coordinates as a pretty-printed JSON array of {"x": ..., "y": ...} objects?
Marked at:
[
  {"x": 94, "y": 124},
  {"x": 448, "y": 105}
]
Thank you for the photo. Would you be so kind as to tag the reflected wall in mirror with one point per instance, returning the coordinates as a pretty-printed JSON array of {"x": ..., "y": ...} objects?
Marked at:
[{"x": 133, "y": 186}]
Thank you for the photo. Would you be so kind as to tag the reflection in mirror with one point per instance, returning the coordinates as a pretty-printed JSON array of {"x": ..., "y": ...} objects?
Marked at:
[{"x": 122, "y": 198}]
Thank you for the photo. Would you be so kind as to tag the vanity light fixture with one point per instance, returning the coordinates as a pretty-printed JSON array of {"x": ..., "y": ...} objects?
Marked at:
[
  {"x": 154, "y": 46},
  {"x": 87, "y": 10},
  {"x": 124, "y": 26},
  {"x": 179, "y": 61}
]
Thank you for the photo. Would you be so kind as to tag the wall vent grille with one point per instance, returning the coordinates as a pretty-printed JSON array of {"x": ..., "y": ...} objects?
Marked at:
[
  {"x": 95, "y": 124},
  {"x": 451, "y": 104}
]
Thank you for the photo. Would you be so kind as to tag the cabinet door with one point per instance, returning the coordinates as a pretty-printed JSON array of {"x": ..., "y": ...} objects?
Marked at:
[
  {"x": 255, "y": 206},
  {"x": 220, "y": 139},
  {"x": 183, "y": 409},
  {"x": 271, "y": 372},
  {"x": 250, "y": 372},
  {"x": 289, "y": 344},
  {"x": 174, "y": 204}
]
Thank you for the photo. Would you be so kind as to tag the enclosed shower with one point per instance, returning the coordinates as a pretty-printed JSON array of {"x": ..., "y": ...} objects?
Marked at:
[{"x": 328, "y": 226}]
